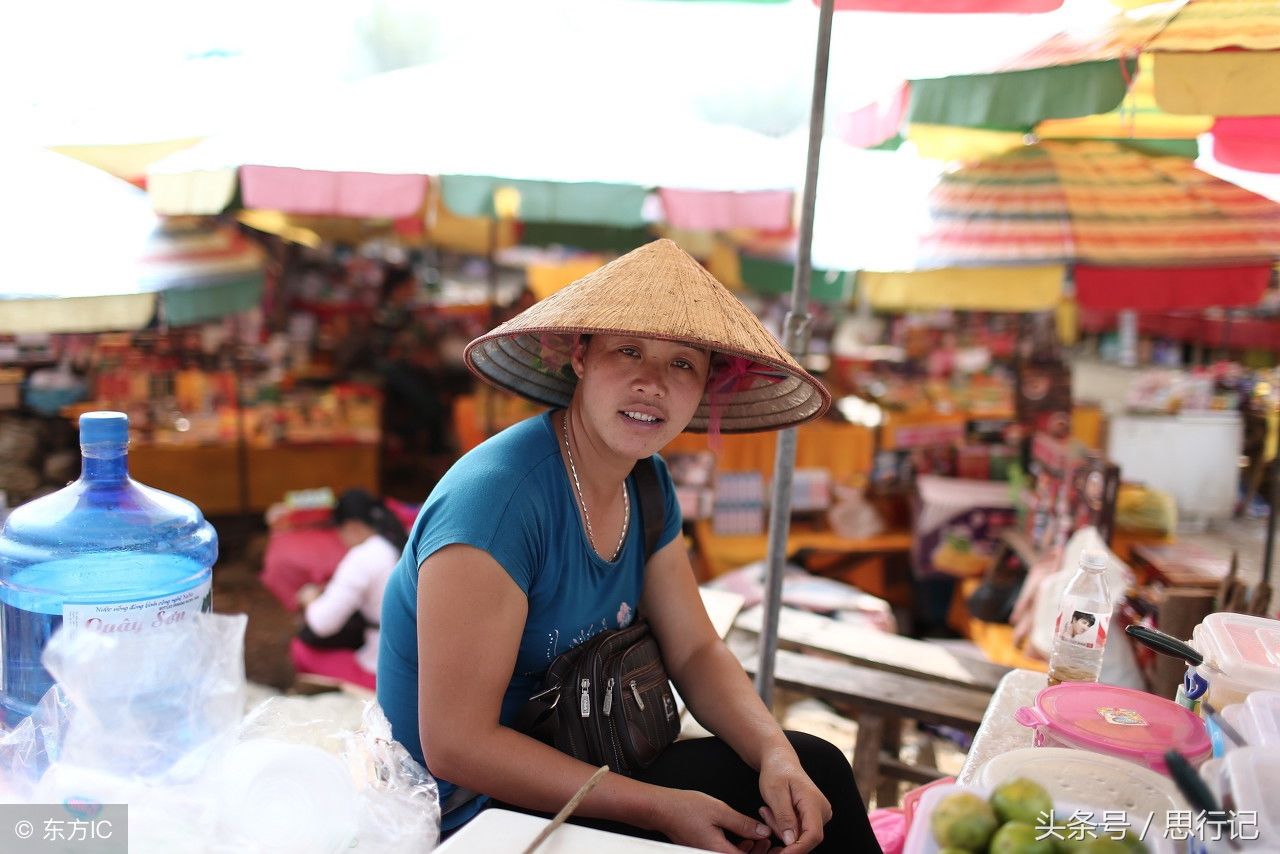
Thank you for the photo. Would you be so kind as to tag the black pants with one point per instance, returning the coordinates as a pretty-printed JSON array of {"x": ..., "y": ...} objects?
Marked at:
[
  {"x": 709, "y": 765},
  {"x": 350, "y": 636}
]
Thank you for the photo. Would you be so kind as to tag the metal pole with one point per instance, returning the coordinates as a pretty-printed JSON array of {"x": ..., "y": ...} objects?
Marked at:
[
  {"x": 1268, "y": 549},
  {"x": 491, "y": 400},
  {"x": 796, "y": 340},
  {"x": 1128, "y": 328}
]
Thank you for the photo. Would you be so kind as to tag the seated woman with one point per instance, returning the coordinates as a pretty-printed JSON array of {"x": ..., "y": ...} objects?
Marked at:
[
  {"x": 339, "y": 635},
  {"x": 534, "y": 542}
]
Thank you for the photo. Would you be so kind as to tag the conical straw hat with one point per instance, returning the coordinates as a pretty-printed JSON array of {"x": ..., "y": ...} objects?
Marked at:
[{"x": 657, "y": 291}]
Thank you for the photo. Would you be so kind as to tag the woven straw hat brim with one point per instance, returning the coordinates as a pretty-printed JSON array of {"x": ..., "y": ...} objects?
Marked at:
[
  {"x": 515, "y": 362},
  {"x": 656, "y": 291}
]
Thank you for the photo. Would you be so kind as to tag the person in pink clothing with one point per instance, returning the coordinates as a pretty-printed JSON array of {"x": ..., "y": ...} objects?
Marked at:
[{"x": 339, "y": 635}]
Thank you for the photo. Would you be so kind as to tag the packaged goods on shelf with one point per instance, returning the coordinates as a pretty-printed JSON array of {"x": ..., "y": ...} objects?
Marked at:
[
  {"x": 739, "y": 503},
  {"x": 810, "y": 490}
]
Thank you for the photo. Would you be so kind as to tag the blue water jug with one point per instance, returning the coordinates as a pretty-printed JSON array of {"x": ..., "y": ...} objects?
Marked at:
[{"x": 104, "y": 554}]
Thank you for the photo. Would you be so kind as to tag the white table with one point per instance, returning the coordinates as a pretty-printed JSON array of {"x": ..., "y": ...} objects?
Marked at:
[
  {"x": 506, "y": 832},
  {"x": 999, "y": 732}
]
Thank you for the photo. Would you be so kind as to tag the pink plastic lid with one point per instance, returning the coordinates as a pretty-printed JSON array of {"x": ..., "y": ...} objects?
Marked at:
[{"x": 1129, "y": 724}]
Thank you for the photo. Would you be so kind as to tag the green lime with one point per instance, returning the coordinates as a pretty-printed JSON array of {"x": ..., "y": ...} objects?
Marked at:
[
  {"x": 1074, "y": 836},
  {"x": 963, "y": 820},
  {"x": 1019, "y": 837},
  {"x": 1022, "y": 800}
]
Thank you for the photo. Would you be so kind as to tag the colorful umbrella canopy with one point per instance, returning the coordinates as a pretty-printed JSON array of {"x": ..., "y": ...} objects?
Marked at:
[
  {"x": 1082, "y": 70},
  {"x": 569, "y": 163},
  {"x": 88, "y": 254},
  {"x": 1210, "y": 57},
  {"x": 1138, "y": 120},
  {"x": 948, "y": 7},
  {"x": 1139, "y": 230},
  {"x": 1265, "y": 184}
]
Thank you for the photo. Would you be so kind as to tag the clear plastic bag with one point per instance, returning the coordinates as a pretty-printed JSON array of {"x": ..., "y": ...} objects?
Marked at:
[
  {"x": 28, "y": 749},
  {"x": 155, "y": 704},
  {"x": 398, "y": 804},
  {"x": 157, "y": 722},
  {"x": 151, "y": 706}
]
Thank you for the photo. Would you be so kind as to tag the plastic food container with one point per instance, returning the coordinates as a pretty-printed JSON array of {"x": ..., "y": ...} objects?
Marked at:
[
  {"x": 1074, "y": 776},
  {"x": 1257, "y": 719},
  {"x": 1120, "y": 722},
  {"x": 1248, "y": 651},
  {"x": 1245, "y": 781}
]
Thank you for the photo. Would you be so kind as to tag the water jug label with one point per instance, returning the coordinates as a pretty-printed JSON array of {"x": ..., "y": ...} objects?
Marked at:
[
  {"x": 1087, "y": 629},
  {"x": 1121, "y": 717},
  {"x": 147, "y": 615}
]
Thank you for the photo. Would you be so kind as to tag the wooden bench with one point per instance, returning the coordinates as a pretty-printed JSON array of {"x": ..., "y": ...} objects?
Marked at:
[
  {"x": 878, "y": 679},
  {"x": 805, "y": 631},
  {"x": 927, "y": 675},
  {"x": 878, "y": 700}
]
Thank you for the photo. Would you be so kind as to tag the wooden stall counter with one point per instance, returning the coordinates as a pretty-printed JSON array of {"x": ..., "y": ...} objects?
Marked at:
[
  {"x": 213, "y": 478},
  {"x": 857, "y": 561},
  {"x": 1179, "y": 564},
  {"x": 841, "y": 448}
]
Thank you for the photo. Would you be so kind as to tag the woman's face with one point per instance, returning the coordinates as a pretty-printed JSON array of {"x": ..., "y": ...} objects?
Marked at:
[{"x": 639, "y": 393}]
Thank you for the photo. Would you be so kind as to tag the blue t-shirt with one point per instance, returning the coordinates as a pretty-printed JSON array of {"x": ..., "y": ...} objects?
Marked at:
[{"x": 512, "y": 498}]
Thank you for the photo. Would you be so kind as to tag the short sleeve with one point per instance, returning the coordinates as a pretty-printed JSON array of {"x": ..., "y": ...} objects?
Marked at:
[{"x": 506, "y": 524}]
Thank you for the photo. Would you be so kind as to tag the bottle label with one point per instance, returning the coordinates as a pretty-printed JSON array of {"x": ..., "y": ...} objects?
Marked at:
[
  {"x": 146, "y": 615},
  {"x": 1085, "y": 629}
]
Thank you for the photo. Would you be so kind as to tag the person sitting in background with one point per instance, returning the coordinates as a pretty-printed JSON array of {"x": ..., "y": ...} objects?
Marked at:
[{"x": 339, "y": 636}]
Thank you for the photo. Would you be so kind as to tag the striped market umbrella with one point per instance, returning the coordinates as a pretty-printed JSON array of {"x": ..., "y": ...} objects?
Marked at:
[
  {"x": 1139, "y": 231},
  {"x": 87, "y": 254}
]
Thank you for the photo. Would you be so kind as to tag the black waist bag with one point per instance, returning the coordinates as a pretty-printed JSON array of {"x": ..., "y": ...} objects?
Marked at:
[{"x": 608, "y": 701}]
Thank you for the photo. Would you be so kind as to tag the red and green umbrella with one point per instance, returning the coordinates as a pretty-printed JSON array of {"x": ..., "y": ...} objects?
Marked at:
[{"x": 1203, "y": 58}]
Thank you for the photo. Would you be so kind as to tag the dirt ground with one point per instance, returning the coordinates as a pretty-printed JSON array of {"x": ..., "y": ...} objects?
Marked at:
[{"x": 237, "y": 589}]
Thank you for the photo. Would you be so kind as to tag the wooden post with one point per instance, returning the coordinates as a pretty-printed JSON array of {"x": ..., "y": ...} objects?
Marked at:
[
  {"x": 891, "y": 743},
  {"x": 866, "y": 754}
]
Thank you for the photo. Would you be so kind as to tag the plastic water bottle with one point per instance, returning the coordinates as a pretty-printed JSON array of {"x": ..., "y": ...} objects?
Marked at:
[
  {"x": 103, "y": 554},
  {"x": 1080, "y": 633}
]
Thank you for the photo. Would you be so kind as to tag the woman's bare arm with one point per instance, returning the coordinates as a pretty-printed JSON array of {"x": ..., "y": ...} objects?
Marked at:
[
  {"x": 722, "y": 698},
  {"x": 708, "y": 675}
]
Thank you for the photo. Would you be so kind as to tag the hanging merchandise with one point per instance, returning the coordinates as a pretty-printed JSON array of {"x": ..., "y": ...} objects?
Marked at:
[{"x": 105, "y": 554}]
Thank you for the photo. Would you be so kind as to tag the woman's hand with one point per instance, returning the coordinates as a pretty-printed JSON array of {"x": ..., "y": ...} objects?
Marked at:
[
  {"x": 698, "y": 820},
  {"x": 794, "y": 807},
  {"x": 308, "y": 593}
]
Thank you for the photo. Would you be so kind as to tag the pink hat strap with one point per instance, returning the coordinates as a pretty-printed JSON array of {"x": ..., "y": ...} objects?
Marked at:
[{"x": 734, "y": 374}]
